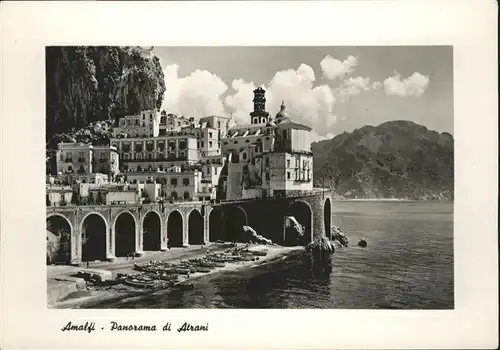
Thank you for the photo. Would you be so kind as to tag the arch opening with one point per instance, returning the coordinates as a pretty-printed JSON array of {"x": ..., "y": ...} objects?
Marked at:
[
  {"x": 58, "y": 240},
  {"x": 196, "y": 228},
  {"x": 124, "y": 235},
  {"x": 151, "y": 239},
  {"x": 327, "y": 211},
  {"x": 215, "y": 225},
  {"x": 236, "y": 218},
  {"x": 174, "y": 229},
  {"x": 302, "y": 213},
  {"x": 93, "y": 238}
]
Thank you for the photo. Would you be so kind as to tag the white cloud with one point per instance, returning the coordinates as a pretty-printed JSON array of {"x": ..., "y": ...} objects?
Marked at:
[
  {"x": 240, "y": 103},
  {"x": 315, "y": 137},
  {"x": 353, "y": 86},
  {"x": 196, "y": 95},
  {"x": 414, "y": 85},
  {"x": 306, "y": 103},
  {"x": 334, "y": 68}
]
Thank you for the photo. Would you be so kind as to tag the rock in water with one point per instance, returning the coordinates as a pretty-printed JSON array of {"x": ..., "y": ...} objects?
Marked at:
[
  {"x": 322, "y": 244},
  {"x": 362, "y": 243}
]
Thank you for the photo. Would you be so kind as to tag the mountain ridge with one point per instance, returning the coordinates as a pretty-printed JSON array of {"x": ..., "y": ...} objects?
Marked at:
[{"x": 395, "y": 159}]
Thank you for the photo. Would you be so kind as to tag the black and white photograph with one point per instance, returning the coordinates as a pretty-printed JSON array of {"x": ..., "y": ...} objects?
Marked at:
[
  {"x": 276, "y": 177},
  {"x": 249, "y": 174}
]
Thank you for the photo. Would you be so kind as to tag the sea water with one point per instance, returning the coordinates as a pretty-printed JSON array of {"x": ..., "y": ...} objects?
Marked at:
[{"x": 408, "y": 264}]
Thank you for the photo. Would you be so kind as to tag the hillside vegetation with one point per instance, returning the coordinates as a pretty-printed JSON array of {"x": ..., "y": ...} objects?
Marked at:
[{"x": 398, "y": 159}]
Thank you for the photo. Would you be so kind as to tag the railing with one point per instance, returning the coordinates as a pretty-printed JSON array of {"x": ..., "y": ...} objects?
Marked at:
[
  {"x": 312, "y": 193},
  {"x": 72, "y": 206},
  {"x": 167, "y": 159}
]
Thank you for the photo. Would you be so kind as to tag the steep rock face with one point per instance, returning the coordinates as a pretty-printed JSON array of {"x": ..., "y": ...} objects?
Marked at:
[
  {"x": 398, "y": 159},
  {"x": 88, "y": 84}
]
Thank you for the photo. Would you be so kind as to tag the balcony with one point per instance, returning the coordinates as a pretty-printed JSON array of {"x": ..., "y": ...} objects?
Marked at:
[{"x": 155, "y": 160}]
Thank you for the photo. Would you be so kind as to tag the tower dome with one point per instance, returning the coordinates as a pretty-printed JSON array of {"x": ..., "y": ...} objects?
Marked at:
[{"x": 282, "y": 114}]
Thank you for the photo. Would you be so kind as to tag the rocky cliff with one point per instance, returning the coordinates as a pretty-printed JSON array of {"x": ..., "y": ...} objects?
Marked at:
[
  {"x": 89, "y": 84},
  {"x": 398, "y": 159}
]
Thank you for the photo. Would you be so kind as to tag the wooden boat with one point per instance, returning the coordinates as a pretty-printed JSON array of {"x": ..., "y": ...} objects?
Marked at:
[
  {"x": 186, "y": 285},
  {"x": 153, "y": 267},
  {"x": 168, "y": 277},
  {"x": 259, "y": 253},
  {"x": 202, "y": 269},
  {"x": 211, "y": 264},
  {"x": 220, "y": 259},
  {"x": 181, "y": 270},
  {"x": 139, "y": 283},
  {"x": 107, "y": 282}
]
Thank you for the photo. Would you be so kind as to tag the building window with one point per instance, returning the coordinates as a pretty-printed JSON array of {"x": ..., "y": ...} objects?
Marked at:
[
  {"x": 267, "y": 176},
  {"x": 202, "y": 144},
  {"x": 288, "y": 175},
  {"x": 218, "y": 125},
  {"x": 244, "y": 156},
  {"x": 139, "y": 168},
  {"x": 186, "y": 195},
  {"x": 210, "y": 143},
  {"x": 185, "y": 181},
  {"x": 209, "y": 135},
  {"x": 288, "y": 163},
  {"x": 267, "y": 161},
  {"x": 61, "y": 157},
  {"x": 173, "y": 182}
]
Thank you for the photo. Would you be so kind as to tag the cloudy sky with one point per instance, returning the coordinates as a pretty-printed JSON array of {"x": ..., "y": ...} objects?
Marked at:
[{"x": 332, "y": 89}]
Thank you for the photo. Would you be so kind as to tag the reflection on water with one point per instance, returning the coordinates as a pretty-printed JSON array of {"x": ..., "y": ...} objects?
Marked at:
[{"x": 408, "y": 264}]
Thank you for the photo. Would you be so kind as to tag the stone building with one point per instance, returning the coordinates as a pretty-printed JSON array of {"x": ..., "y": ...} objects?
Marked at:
[
  {"x": 83, "y": 159},
  {"x": 267, "y": 157}
]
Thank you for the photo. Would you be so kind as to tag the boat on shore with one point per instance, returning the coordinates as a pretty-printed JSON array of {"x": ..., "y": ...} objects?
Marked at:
[{"x": 139, "y": 282}]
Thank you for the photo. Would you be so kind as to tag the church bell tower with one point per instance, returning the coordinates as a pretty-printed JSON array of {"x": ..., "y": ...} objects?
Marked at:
[{"x": 259, "y": 114}]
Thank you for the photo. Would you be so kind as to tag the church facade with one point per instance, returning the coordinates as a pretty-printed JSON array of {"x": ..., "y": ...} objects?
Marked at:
[{"x": 267, "y": 157}]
